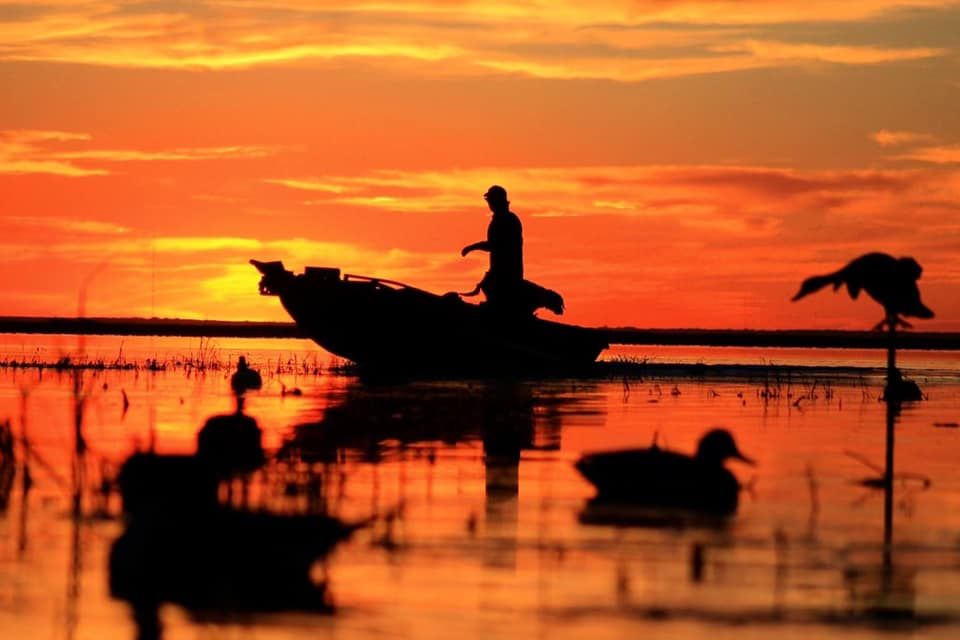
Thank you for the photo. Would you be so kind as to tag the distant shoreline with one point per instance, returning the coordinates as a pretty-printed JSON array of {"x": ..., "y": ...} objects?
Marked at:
[{"x": 791, "y": 338}]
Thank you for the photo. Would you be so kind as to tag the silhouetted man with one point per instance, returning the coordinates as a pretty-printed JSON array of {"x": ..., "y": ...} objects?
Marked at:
[{"x": 505, "y": 244}]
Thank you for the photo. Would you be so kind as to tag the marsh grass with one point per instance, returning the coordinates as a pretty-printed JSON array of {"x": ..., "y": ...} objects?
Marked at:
[
  {"x": 207, "y": 359},
  {"x": 88, "y": 483}
]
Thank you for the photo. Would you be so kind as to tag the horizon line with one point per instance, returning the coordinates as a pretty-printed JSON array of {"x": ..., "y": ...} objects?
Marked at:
[{"x": 771, "y": 338}]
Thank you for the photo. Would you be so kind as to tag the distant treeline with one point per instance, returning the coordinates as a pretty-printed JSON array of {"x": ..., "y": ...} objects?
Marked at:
[
  {"x": 803, "y": 338},
  {"x": 175, "y": 327}
]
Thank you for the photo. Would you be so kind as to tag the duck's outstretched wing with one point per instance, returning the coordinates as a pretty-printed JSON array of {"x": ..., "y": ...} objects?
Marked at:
[{"x": 815, "y": 283}]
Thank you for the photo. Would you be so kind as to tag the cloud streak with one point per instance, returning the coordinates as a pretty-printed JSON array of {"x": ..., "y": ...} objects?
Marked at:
[
  {"x": 24, "y": 151},
  {"x": 943, "y": 154},
  {"x": 611, "y": 40},
  {"x": 741, "y": 199},
  {"x": 785, "y": 52},
  {"x": 887, "y": 138},
  {"x": 72, "y": 225}
]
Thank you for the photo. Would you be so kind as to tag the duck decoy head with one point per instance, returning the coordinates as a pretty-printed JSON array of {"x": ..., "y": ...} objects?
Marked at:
[
  {"x": 718, "y": 445},
  {"x": 909, "y": 268}
]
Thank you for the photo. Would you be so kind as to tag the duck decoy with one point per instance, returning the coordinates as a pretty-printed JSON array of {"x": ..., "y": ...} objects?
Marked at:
[
  {"x": 245, "y": 378},
  {"x": 901, "y": 389},
  {"x": 890, "y": 281},
  {"x": 893, "y": 283},
  {"x": 657, "y": 477}
]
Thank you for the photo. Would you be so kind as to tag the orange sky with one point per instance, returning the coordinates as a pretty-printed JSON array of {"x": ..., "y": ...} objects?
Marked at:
[{"x": 675, "y": 163}]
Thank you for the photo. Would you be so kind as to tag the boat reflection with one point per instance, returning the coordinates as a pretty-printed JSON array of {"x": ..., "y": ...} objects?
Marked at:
[{"x": 375, "y": 425}]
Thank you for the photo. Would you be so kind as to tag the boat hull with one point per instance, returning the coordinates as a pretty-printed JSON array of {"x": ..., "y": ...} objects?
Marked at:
[{"x": 387, "y": 326}]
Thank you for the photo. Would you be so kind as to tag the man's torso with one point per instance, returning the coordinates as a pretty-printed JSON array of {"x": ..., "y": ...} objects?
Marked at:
[{"x": 505, "y": 237}]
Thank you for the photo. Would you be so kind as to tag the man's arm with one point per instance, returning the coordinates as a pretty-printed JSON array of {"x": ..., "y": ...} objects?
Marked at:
[{"x": 476, "y": 246}]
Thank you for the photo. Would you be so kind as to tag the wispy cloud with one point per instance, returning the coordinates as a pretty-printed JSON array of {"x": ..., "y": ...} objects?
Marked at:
[
  {"x": 18, "y": 167},
  {"x": 21, "y": 153},
  {"x": 24, "y": 151},
  {"x": 887, "y": 138},
  {"x": 309, "y": 184},
  {"x": 774, "y": 52},
  {"x": 705, "y": 197},
  {"x": 65, "y": 224},
  {"x": 198, "y": 153},
  {"x": 944, "y": 154},
  {"x": 611, "y": 39},
  {"x": 193, "y": 252},
  {"x": 919, "y": 147},
  {"x": 33, "y": 136}
]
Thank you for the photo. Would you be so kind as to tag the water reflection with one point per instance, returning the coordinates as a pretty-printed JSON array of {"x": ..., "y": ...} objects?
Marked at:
[
  {"x": 231, "y": 447},
  {"x": 187, "y": 542},
  {"x": 374, "y": 423},
  {"x": 182, "y": 544},
  {"x": 377, "y": 424},
  {"x": 8, "y": 464},
  {"x": 478, "y": 502},
  {"x": 886, "y": 591}
]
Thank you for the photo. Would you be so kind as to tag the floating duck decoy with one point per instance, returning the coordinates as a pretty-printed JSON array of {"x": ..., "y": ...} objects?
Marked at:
[
  {"x": 890, "y": 281},
  {"x": 244, "y": 378},
  {"x": 292, "y": 391},
  {"x": 660, "y": 478},
  {"x": 901, "y": 389}
]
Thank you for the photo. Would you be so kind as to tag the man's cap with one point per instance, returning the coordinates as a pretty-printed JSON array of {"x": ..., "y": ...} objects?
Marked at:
[{"x": 496, "y": 192}]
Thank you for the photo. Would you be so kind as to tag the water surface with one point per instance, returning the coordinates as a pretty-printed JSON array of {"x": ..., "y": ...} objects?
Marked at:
[{"x": 482, "y": 525}]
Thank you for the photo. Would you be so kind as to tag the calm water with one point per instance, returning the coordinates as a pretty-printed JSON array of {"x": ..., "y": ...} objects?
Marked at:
[{"x": 486, "y": 546}]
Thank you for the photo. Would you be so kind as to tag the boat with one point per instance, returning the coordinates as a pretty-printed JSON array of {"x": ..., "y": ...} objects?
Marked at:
[{"x": 387, "y": 326}]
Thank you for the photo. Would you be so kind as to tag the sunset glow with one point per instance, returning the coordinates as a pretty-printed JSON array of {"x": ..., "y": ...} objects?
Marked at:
[{"x": 675, "y": 164}]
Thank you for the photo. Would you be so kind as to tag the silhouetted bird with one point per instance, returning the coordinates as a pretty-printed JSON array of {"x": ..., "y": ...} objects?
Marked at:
[
  {"x": 245, "y": 378},
  {"x": 660, "y": 478},
  {"x": 890, "y": 281}
]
